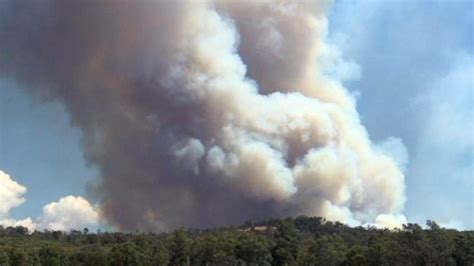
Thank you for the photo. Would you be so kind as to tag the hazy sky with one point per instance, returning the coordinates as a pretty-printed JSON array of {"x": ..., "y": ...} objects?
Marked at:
[
  {"x": 410, "y": 63},
  {"x": 416, "y": 83}
]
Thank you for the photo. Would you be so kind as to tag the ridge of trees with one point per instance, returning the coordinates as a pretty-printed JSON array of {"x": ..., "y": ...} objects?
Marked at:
[{"x": 299, "y": 241}]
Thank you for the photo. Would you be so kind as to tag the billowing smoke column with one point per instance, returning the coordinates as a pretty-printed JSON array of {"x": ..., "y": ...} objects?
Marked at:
[{"x": 200, "y": 113}]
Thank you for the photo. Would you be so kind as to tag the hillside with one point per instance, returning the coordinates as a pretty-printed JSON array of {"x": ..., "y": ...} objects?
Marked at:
[{"x": 300, "y": 241}]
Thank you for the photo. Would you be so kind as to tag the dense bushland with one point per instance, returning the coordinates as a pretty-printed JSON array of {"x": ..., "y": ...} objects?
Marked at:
[{"x": 300, "y": 241}]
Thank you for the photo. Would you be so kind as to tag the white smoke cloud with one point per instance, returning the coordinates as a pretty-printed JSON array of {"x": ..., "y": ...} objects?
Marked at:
[
  {"x": 300, "y": 150},
  {"x": 190, "y": 154},
  {"x": 394, "y": 148},
  {"x": 390, "y": 221},
  {"x": 211, "y": 113},
  {"x": 68, "y": 213},
  {"x": 27, "y": 222},
  {"x": 11, "y": 194}
]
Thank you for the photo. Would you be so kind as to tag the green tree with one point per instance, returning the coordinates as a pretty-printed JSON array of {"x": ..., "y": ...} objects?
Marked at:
[
  {"x": 377, "y": 251},
  {"x": 4, "y": 258},
  {"x": 126, "y": 254},
  {"x": 95, "y": 256},
  {"x": 287, "y": 244},
  {"x": 179, "y": 248},
  {"x": 50, "y": 256},
  {"x": 19, "y": 257},
  {"x": 326, "y": 250},
  {"x": 437, "y": 245},
  {"x": 214, "y": 249},
  {"x": 254, "y": 249},
  {"x": 464, "y": 250},
  {"x": 160, "y": 255},
  {"x": 357, "y": 256}
]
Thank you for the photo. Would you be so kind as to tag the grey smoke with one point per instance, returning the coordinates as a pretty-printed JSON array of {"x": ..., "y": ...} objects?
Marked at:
[{"x": 200, "y": 113}]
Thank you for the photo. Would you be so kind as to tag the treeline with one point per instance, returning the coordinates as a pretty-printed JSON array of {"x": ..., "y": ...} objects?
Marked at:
[{"x": 300, "y": 241}]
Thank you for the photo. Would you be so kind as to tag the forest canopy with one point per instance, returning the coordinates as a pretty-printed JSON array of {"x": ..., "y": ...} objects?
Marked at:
[{"x": 299, "y": 241}]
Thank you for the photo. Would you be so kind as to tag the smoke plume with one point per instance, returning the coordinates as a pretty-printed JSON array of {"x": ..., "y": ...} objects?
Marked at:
[{"x": 202, "y": 113}]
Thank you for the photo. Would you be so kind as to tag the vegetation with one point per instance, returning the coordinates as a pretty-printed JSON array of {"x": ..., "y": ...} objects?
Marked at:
[{"x": 300, "y": 241}]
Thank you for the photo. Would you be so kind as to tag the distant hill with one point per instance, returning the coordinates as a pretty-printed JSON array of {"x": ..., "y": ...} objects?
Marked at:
[{"x": 299, "y": 241}]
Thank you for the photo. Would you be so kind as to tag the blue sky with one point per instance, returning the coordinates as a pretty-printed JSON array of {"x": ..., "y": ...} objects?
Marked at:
[
  {"x": 40, "y": 150},
  {"x": 416, "y": 57},
  {"x": 415, "y": 60}
]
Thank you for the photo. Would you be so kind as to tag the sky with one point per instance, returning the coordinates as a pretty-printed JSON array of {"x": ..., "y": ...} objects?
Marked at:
[
  {"x": 416, "y": 83},
  {"x": 409, "y": 63}
]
